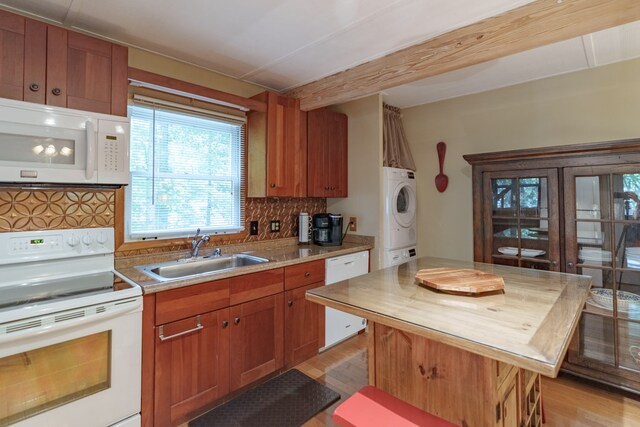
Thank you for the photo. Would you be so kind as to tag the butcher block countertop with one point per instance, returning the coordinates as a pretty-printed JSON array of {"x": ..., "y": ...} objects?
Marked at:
[
  {"x": 530, "y": 325},
  {"x": 280, "y": 253}
]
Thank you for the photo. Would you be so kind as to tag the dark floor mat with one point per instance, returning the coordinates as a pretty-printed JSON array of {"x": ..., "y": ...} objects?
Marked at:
[{"x": 288, "y": 400}]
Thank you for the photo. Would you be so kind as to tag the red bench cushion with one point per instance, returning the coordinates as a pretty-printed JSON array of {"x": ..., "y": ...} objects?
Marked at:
[{"x": 371, "y": 407}]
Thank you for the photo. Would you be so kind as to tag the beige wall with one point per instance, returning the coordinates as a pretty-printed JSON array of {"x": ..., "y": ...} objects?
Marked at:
[
  {"x": 588, "y": 106},
  {"x": 165, "y": 66},
  {"x": 365, "y": 170}
]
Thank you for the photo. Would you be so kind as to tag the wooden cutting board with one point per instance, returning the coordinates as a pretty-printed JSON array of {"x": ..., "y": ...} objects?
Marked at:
[{"x": 460, "y": 281}]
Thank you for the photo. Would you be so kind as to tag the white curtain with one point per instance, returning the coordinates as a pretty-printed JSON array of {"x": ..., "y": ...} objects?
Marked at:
[{"x": 396, "y": 148}]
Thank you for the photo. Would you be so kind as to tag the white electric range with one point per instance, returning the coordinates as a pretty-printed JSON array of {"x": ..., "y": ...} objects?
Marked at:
[{"x": 70, "y": 331}]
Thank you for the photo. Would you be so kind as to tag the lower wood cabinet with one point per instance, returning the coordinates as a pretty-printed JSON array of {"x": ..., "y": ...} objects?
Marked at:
[
  {"x": 256, "y": 340},
  {"x": 204, "y": 341},
  {"x": 192, "y": 365},
  {"x": 304, "y": 325}
]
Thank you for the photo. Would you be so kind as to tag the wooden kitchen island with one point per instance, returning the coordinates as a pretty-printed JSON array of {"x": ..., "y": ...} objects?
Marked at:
[{"x": 473, "y": 360}]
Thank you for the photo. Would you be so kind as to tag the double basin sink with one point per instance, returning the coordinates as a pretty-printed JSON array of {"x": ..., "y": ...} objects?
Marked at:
[{"x": 188, "y": 268}]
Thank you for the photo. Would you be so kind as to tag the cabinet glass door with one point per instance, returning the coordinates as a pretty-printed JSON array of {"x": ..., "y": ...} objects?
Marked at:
[
  {"x": 523, "y": 221},
  {"x": 602, "y": 237}
]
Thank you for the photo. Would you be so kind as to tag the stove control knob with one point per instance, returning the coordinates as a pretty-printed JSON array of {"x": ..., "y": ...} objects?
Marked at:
[
  {"x": 86, "y": 239},
  {"x": 73, "y": 240},
  {"x": 102, "y": 238}
]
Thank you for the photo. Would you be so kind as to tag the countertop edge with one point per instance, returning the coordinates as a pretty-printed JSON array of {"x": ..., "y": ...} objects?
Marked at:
[
  {"x": 150, "y": 286},
  {"x": 545, "y": 369}
]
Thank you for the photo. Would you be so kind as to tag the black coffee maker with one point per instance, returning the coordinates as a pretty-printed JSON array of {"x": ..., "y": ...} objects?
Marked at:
[{"x": 327, "y": 229}]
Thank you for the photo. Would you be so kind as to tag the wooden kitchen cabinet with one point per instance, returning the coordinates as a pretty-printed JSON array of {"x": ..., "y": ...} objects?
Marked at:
[
  {"x": 304, "y": 321},
  {"x": 327, "y": 139},
  {"x": 222, "y": 335},
  {"x": 277, "y": 148},
  {"x": 191, "y": 365},
  {"x": 51, "y": 65},
  {"x": 256, "y": 340},
  {"x": 483, "y": 392},
  {"x": 575, "y": 209}
]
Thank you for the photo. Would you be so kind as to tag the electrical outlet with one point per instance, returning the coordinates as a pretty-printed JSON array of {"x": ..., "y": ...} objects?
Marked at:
[
  {"x": 253, "y": 228},
  {"x": 275, "y": 225},
  {"x": 353, "y": 223}
]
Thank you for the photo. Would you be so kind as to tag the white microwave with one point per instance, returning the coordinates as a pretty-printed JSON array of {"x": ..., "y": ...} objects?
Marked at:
[{"x": 43, "y": 144}]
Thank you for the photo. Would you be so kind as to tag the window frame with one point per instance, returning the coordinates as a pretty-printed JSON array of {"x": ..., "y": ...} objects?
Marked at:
[{"x": 129, "y": 238}]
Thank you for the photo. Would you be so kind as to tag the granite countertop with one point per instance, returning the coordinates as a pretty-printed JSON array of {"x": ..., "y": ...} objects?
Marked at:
[
  {"x": 280, "y": 253},
  {"x": 530, "y": 325}
]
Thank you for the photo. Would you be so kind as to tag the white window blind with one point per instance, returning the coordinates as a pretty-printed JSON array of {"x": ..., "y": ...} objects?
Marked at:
[{"x": 186, "y": 172}]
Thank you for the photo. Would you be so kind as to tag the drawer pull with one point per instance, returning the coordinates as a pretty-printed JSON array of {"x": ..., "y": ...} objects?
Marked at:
[
  {"x": 307, "y": 274},
  {"x": 56, "y": 91},
  {"x": 34, "y": 87},
  {"x": 188, "y": 331},
  {"x": 225, "y": 323},
  {"x": 236, "y": 320}
]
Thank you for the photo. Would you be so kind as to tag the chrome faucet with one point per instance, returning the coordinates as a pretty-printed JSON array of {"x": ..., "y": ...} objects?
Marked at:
[{"x": 195, "y": 243}]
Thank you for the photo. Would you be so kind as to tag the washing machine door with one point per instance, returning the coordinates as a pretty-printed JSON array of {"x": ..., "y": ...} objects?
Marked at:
[{"x": 404, "y": 204}]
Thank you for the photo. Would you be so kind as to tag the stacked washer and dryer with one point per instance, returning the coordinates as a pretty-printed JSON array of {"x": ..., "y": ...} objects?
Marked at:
[{"x": 399, "y": 227}]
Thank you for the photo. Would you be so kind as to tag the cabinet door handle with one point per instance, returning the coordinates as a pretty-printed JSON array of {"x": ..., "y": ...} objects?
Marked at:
[
  {"x": 34, "y": 87},
  {"x": 236, "y": 320},
  {"x": 188, "y": 331},
  {"x": 225, "y": 323},
  {"x": 273, "y": 185},
  {"x": 307, "y": 274},
  {"x": 56, "y": 91},
  {"x": 570, "y": 265},
  {"x": 290, "y": 303}
]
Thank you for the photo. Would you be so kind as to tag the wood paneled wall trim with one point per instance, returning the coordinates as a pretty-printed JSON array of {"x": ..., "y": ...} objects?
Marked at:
[
  {"x": 179, "y": 87},
  {"x": 533, "y": 25}
]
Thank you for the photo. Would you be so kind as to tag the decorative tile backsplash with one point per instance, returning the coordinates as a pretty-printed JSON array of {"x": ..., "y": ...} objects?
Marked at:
[
  {"x": 55, "y": 209},
  {"x": 28, "y": 210}
]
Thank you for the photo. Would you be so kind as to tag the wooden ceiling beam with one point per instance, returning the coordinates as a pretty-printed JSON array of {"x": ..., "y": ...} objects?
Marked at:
[{"x": 533, "y": 25}]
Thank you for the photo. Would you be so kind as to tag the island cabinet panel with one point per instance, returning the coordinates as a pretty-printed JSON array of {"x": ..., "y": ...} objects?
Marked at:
[
  {"x": 50, "y": 65},
  {"x": 192, "y": 359},
  {"x": 449, "y": 382},
  {"x": 256, "y": 340},
  {"x": 574, "y": 209},
  {"x": 327, "y": 139}
]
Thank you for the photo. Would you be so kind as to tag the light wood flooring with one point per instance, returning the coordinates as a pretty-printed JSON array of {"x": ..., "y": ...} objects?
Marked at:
[{"x": 567, "y": 402}]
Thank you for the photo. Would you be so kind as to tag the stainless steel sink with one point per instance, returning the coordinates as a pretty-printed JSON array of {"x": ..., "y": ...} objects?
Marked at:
[{"x": 187, "y": 268}]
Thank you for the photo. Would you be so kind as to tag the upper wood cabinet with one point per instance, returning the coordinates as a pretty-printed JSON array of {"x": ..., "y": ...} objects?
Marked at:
[
  {"x": 50, "y": 65},
  {"x": 277, "y": 148},
  {"x": 327, "y": 136}
]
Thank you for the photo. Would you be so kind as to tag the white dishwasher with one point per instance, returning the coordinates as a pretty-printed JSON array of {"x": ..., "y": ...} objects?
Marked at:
[{"x": 338, "y": 324}]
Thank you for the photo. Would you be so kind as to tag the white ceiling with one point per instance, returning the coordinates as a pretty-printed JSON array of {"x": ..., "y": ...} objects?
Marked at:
[{"x": 281, "y": 44}]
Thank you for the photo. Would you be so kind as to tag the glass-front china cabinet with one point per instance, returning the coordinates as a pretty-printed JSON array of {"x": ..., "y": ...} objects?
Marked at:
[{"x": 574, "y": 209}]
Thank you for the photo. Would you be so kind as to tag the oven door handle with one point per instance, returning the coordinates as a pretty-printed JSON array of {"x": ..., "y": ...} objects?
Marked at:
[{"x": 48, "y": 324}]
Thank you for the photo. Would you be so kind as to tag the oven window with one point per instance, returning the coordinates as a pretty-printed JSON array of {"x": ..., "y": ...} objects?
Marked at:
[{"x": 44, "y": 378}]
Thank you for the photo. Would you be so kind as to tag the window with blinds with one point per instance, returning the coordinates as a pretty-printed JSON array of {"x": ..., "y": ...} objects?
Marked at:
[{"x": 186, "y": 172}]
